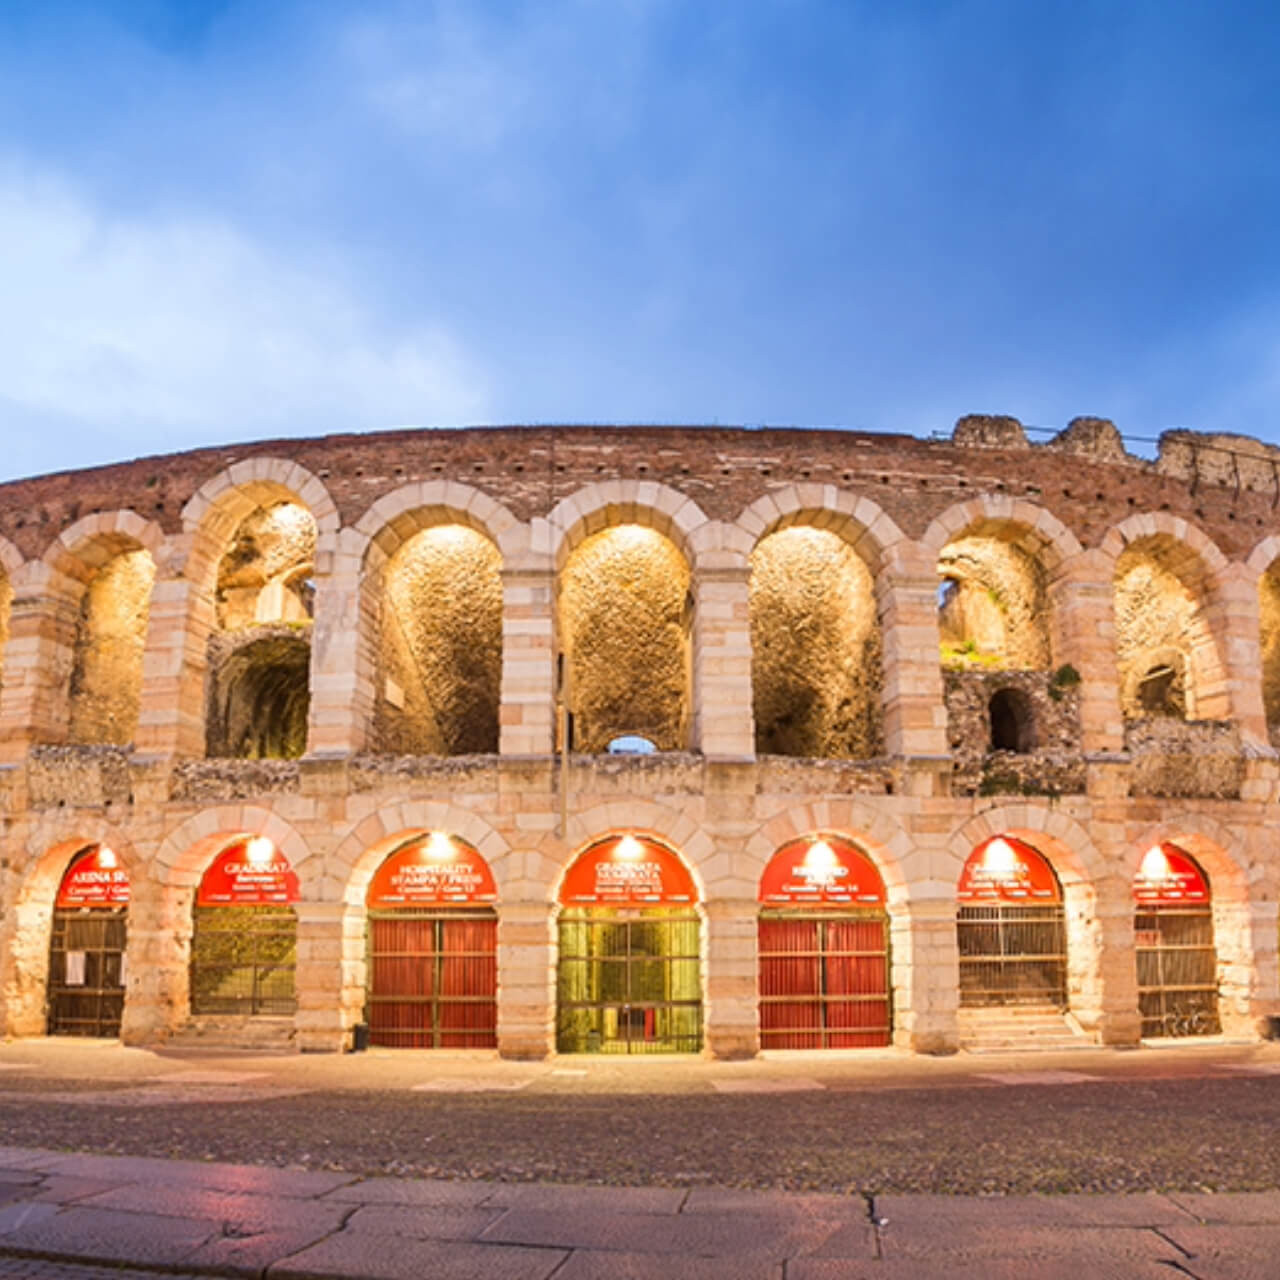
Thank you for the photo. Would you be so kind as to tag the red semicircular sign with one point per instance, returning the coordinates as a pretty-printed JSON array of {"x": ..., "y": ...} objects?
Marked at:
[
  {"x": 1170, "y": 877},
  {"x": 1004, "y": 869},
  {"x": 94, "y": 878},
  {"x": 433, "y": 871},
  {"x": 627, "y": 870},
  {"x": 824, "y": 870},
  {"x": 247, "y": 874}
]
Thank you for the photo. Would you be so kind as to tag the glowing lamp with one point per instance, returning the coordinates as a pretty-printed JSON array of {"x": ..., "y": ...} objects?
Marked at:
[
  {"x": 820, "y": 862},
  {"x": 999, "y": 857},
  {"x": 628, "y": 849},
  {"x": 260, "y": 851},
  {"x": 439, "y": 847},
  {"x": 1155, "y": 865},
  {"x": 107, "y": 858}
]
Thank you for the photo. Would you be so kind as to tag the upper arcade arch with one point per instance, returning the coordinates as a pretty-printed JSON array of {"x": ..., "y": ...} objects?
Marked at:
[{"x": 187, "y": 851}]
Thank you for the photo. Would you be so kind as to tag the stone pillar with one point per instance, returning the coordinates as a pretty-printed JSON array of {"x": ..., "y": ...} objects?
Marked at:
[
  {"x": 38, "y": 659},
  {"x": 157, "y": 998},
  {"x": 24, "y": 971},
  {"x": 723, "y": 723},
  {"x": 527, "y": 712},
  {"x": 1084, "y": 637},
  {"x": 925, "y": 976},
  {"x": 342, "y": 650},
  {"x": 330, "y": 987},
  {"x": 732, "y": 1017},
  {"x": 915, "y": 715},
  {"x": 1102, "y": 972},
  {"x": 526, "y": 980},
  {"x": 1235, "y": 618},
  {"x": 1245, "y": 938}
]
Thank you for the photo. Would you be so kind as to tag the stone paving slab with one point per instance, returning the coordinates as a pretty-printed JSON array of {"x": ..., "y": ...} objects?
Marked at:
[
  {"x": 102, "y": 1235},
  {"x": 243, "y": 1212},
  {"x": 421, "y": 1222},
  {"x": 1241, "y": 1206},
  {"x": 350, "y": 1255},
  {"x": 1142, "y": 1209},
  {"x": 955, "y": 1242},
  {"x": 587, "y": 1264},
  {"x": 941, "y": 1267},
  {"x": 543, "y": 1196},
  {"x": 421, "y": 1191}
]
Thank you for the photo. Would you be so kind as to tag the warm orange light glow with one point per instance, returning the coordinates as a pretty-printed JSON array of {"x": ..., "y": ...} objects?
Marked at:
[
  {"x": 439, "y": 847},
  {"x": 999, "y": 857},
  {"x": 628, "y": 849},
  {"x": 107, "y": 857},
  {"x": 260, "y": 851},
  {"x": 820, "y": 862},
  {"x": 1155, "y": 866}
]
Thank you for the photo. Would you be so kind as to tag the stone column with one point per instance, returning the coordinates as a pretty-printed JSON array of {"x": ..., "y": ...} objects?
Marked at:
[
  {"x": 1235, "y": 618},
  {"x": 732, "y": 1018},
  {"x": 1245, "y": 938},
  {"x": 157, "y": 955},
  {"x": 24, "y": 967},
  {"x": 38, "y": 659},
  {"x": 925, "y": 975},
  {"x": 527, "y": 712},
  {"x": 723, "y": 720},
  {"x": 342, "y": 650},
  {"x": 526, "y": 980},
  {"x": 1102, "y": 968},
  {"x": 330, "y": 997}
]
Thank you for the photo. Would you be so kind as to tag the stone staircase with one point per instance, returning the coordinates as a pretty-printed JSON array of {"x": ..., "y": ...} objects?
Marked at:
[
  {"x": 215, "y": 1032},
  {"x": 1021, "y": 1028}
]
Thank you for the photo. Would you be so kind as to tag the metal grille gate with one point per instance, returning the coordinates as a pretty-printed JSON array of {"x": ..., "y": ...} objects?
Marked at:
[
  {"x": 1012, "y": 955},
  {"x": 86, "y": 972},
  {"x": 1177, "y": 970},
  {"x": 824, "y": 980},
  {"x": 629, "y": 981},
  {"x": 243, "y": 960},
  {"x": 433, "y": 979}
]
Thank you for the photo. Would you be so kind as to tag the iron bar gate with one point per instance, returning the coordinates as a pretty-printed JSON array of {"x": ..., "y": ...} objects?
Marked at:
[
  {"x": 1012, "y": 954},
  {"x": 243, "y": 960},
  {"x": 824, "y": 980},
  {"x": 86, "y": 972},
  {"x": 433, "y": 979},
  {"x": 629, "y": 980},
  {"x": 1177, "y": 970}
]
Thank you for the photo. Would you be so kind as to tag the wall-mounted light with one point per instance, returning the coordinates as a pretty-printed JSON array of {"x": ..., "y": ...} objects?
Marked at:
[
  {"x": 1155, "y": 865},
  {"x": 107, "y": 857},
  {"x": 260, "y": 851},
  {"x": 820, "y": 862},
  {"x": 440, "y": 848},
  {"x": 1000, "y": 857},
  {"x": 628, "y": 849}
]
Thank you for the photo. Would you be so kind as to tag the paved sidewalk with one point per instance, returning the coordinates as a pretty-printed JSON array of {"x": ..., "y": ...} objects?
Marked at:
[{"x": 66, "y": 1215}]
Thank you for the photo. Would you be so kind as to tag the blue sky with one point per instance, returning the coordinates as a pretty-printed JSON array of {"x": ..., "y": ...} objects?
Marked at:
[{"x": 224, "y": 220}]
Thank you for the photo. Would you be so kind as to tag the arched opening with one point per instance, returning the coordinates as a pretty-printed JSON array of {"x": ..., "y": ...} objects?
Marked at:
[
  {"x": 87, "y": 946},
  {"x": 816, "y": 655},
  {"x": 625, "y": 618},
  {"x": 259, "y": 653},
  {"x": 1010, "y": 928},
  {"x": 1269, "y": 609},
  {"x": 433, "y": 936},
  {"x": 823, "y": 948},
  {"x": 244, "y": 941},
  {"x": 629, "y": 973},
  {"x": 6, "y": 602},
  {"x": 1012, "y": 718},
  {"x": 440, "y": 652},
  {"x": 1173, "y": 934},
  {"x": 106, "y": 669}
]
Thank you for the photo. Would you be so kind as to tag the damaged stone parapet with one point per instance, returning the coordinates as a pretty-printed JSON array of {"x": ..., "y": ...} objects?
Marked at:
[
  {"x": 371, "y": 772},
  {"x": 1189, "y": 758},
  {"x": 1095, "y": 438},
  {"x": 78, "y": 776},
  {"x": 1238, "y": 462},
  {"x": 787, "y": 775},
  {"x": 989, "y": 431},
  {"x": 204, "y": 780},
  {"x": 1051, "y": 763}
]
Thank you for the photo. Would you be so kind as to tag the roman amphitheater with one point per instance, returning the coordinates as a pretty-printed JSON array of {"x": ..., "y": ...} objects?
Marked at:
[{"x": 636, "y": 740}]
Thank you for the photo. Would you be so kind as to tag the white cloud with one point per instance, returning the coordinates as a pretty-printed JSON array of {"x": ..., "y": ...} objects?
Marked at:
[{"x": 188, "y": 324}]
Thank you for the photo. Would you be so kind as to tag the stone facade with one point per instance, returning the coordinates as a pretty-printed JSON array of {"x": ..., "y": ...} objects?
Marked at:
[{"x": 1100, "y": 788}]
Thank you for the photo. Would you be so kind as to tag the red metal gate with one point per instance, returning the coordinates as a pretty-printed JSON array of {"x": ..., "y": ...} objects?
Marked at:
[
  {"x": 824, "y": 980},
  {"x": 433, "y": 979}
]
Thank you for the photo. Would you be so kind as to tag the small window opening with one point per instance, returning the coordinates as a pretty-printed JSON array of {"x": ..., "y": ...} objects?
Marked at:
[
  {"x": 631, "y": 744},
  {"x": 1159, "y": 693},
  {"x": 1012, "y": 723}
]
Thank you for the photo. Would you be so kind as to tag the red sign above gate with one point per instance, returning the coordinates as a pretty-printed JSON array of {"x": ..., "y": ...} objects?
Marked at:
[
  {"x": 1169, "y": 876},
  {"x": 630, "y": 870},
  {"x": 438, "y": 870},
  {"x": 825, "y": 871},
  {"x": 251, "y": 873},
  {"x": 1007, "y": 870},
  {"x": 93, "y": 879}
]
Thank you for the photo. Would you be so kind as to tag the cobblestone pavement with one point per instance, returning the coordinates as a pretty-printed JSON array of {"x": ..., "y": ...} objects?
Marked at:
[{"x": 1203, "y": 1119}]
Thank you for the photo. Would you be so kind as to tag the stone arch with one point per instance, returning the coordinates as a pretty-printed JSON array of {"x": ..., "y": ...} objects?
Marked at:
[
  {"x": 867, "y": 528},
  {"x": 24, "y": 968},
  {"x": 1035, "y": 529},
  {"x": 612, "y": 502},
  {"x": 84, "y": 547},
  {"x": 1212, "y": 844},
  {"x": 187, "y": 851},
  {"x": 10, "y": 562},
  {"x": 1263, "y": 570},
  {"x": 11, "y": 559},
  {"x": 1206, "y": 562},
  {"x": 878, "y": 834},
  {"x": 362, "y": 850}
]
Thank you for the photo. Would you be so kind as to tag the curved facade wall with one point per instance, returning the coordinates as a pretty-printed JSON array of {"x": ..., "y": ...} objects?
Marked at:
[{"x": 1091, "y": 740}]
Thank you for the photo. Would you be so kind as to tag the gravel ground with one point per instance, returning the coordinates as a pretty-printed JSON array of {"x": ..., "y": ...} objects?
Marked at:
[{"x": 1217, "y": 1134}]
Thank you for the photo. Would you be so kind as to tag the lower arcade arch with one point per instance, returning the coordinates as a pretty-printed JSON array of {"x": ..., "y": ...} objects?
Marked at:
[
  {"x": 432, "y": 972},
  {"x": 1174, "y": 941},
  {"x": 823, "y": 949},
  {"x": 86, "y": 981},
  {"x": 244, "y": 939},
  {"x": 629, "y": 966},
  {"x": 1011, "y": 929}
]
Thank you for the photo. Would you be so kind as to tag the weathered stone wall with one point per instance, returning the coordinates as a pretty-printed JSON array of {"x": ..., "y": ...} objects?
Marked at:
[
  {"x": 259, "y": 691},
  {"x": 1185, "y": 758},
  {"x": 1155, "y": 617},
  {"x": 264, "y": 575},
  {"x": 997, "y": 613}
]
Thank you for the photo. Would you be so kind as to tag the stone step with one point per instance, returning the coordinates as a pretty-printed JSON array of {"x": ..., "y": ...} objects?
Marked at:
[
  {"x": 1013, "y": 1028},
  {"x": 213, "y": 1031}
]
